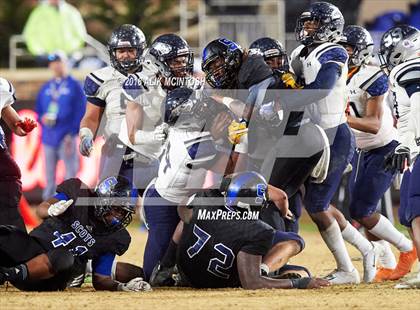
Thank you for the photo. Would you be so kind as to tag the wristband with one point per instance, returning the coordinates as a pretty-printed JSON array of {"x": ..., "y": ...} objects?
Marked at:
[
  {"x": 301, "y": 283},
  {"x": 85, "y": 132},
  {"x": 227, "y": 101}
]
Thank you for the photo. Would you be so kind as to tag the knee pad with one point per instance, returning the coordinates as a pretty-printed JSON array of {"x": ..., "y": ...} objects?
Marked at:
[{"x": 60, "y": 259}]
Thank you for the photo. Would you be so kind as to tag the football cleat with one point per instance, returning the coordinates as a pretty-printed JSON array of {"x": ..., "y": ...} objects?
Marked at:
[
  {"x": 410, "y": 284},
  {"x": 405, "y": 262},
  {"x": 343, "y": 277},
  {"x": 369, "y": 265},
  {"x": 383, "y": 274}
]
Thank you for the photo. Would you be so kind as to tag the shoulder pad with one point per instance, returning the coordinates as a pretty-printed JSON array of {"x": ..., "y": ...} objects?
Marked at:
[
  {"x": 333, "y": 53},
  {"x": 133, "y": 86},
  {"x": 94, "y": 80},
  {"x": 371, "y": 77},
  {"x": 408, "y": 74}
]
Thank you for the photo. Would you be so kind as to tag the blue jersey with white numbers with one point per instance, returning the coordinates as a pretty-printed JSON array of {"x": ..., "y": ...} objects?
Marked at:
[
  {"x": 212, "y": 240},
  {"x": 77, "y": 231}
]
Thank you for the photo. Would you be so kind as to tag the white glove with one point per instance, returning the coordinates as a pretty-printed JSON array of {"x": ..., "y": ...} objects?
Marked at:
[
  {"x": 135, "y": 285},
  {"x": 59, "y": 207},
  {"x": 158, "y": 135},
  {"x": 268, "y": 112}
]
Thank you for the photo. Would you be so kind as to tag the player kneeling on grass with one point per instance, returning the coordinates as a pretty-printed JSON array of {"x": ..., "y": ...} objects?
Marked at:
[
  {"x": 236, "y": 250},
  {"x": 82, "y": 224}
]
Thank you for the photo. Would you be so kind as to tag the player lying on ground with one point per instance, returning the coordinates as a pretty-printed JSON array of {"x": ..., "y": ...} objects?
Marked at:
[
  {"x": 83, "y": 224},
  {"x": 120, "y": 271},
  {"x": 229, "y": 250},
  {"x": 240, "y": 252}
]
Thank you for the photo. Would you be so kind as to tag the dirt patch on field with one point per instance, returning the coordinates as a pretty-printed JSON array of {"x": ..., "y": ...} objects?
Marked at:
[{"x": 315, "y": 256}]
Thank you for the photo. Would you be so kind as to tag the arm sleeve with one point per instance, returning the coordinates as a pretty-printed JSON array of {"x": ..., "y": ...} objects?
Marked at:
[{"x": 103, "y": 264}]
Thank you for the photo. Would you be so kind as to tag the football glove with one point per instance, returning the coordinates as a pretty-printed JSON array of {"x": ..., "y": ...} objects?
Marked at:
[
  {"x": 59, "y": 207},
  {"x": 158, "y": 135},
  {"x": 86, "y": 141},
  {"x": 135, "y": 285},
  {"x": 27, "y": 124},
  {"x": 289, "y": 80},
  {"x": 268, "y": 112},
  {"x": 236, "y": 130},
  {"x": 399, "y": 159}
]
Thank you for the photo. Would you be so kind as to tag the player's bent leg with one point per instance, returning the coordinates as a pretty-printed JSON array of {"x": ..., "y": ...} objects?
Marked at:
[{"x": 285, "y": 245}]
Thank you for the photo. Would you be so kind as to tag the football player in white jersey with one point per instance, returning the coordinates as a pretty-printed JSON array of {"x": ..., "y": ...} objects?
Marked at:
[
  {"x": 10, "y": 183},
  {"x": 167, "y": 64},
  {"x": 323, "y": 65},
  {"x": 372, "y": 123},
  {"x": 104, "y": 92},
  {"x": 190, "y": 151},
  {"x": 400, "y": 57}
]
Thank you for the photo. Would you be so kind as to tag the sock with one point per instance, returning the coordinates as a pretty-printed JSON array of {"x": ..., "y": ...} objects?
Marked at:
[
  {"x": 16, "y": 274},
  {"x": 386, "y": 231},
  {"x": 169, "y": 259},
  {"x": 386, "y": 257},
  {"x": 355, "y": 238},
  {"x": 334, "y": 241}
]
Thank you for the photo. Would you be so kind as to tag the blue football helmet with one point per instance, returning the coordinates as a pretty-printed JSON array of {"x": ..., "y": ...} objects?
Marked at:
[
  {"x": 115, "y": 202},
  {"x": 328, "y": 22},
  {"x": 229, "y": 54},
  {"x": 270, "y": 48},
  {"x": 245, "y": 191},
  {"x": 168, "y": 47},
  {"x": 362, "y": 43}
]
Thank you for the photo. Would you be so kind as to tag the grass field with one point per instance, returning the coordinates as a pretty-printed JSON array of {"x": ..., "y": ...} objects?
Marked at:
[{"x": 315, "y": 256}]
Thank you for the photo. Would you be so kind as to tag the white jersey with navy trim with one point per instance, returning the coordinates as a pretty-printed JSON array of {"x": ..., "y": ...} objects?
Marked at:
[
  {"x": 407, "y": 106},
  {"x": 367, "y": 82},
  {"x": 7, "y": 98},
  {"x": 332, "y": 107},
  {"x": 184, "y": 163},
  {"x": 145, "y": 89},
  {"x": 103, "y": 88}
]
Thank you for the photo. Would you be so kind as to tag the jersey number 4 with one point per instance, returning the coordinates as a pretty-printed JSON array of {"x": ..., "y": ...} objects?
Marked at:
[
  {"x": 65, "y": 239},
  {"x": 216, "y": 265}
]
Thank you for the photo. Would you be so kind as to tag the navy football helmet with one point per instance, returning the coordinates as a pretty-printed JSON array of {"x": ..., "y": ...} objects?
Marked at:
[
  {"x": 115, "y": 202},
  {"x": 190, "y": 109},
  {"x": 168, "y": 47},
  {"x": 270, "y": 48},
  {"x": 362, "y": 43},
  {"x": 397, "y": 45},
  {"x": 327, "y": 22},
  {"x": 124, "y": 36},
  {"x": 245, "y": 191},
  {"x": 221, "y": 62}
]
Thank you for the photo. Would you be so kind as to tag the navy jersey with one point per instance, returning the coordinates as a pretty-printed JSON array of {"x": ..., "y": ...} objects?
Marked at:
[
  {"x": 77, "y": 229},
  {"x": 208, "y": 248}
]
